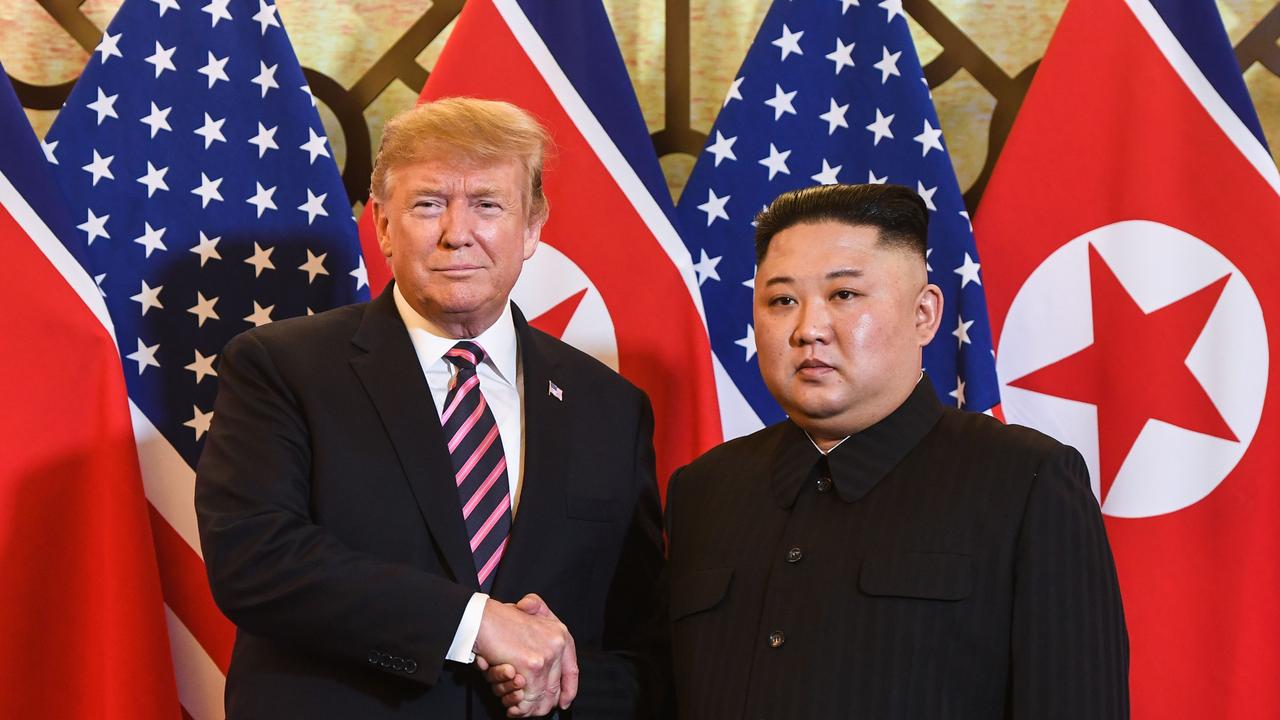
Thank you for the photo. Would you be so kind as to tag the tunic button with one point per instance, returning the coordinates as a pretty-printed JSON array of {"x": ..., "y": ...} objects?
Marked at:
[
  {"x": 776, "y": 639},
  {"x": 794, "y": 555},
  {"x": 824, "y": 484}
]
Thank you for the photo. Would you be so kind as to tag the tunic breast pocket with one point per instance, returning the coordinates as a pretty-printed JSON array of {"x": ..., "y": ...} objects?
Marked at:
[
  {"x": 699, "y": 591},
  {"x": 925, "y": 576}
]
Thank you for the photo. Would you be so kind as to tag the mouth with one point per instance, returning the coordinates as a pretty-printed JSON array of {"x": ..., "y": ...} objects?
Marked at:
[
  {"x": 457, "y": 270},
  {"x": 813, "y": 368}
]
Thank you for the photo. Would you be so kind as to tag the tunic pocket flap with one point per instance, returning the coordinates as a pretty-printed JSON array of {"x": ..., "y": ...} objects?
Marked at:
[
  {"x": 929, "y": 576},
  {"x": 698, "y": 591}
]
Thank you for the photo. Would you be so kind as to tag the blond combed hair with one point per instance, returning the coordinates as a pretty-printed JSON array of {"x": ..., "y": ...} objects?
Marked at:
[{"x": 474, "y": 130}]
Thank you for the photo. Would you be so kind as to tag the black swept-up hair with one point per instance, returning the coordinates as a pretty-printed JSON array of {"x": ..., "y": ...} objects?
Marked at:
[{"x": 895, "y": 210}]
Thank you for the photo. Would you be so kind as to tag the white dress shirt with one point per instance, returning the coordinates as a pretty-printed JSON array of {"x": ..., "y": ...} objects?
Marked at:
[{"x": 502, "y": 384}]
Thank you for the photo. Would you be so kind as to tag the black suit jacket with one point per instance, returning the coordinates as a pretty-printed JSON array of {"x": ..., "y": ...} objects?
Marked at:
[
  {"x": 334, "y": 540},
  {"x": 938, "y": 565}
]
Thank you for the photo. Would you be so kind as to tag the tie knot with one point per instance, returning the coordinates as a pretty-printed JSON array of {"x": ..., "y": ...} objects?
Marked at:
[{"x": 466, "y": 355}]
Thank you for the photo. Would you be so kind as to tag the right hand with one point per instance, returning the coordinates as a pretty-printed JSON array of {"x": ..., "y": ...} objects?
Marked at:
[{"x": 528, "y": 656}]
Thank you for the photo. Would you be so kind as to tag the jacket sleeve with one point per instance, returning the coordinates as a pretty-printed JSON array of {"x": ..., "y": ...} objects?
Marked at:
[
  {"x": 273, "y": 571},
  {"x": 616, "y": 683},
  {"x": 1070, "y": 650}
]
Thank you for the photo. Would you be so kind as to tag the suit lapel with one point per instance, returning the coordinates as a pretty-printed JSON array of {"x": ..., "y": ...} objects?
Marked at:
[
  {"x": 547, "y": 428},
  {"x": 389, "y": 370}
]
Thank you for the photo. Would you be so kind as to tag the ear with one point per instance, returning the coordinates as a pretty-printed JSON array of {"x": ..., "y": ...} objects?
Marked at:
[
  {"x": 928, "y": 310},
  {"x": 532, "y": 234},
  {"x": 380, "y": 222}
]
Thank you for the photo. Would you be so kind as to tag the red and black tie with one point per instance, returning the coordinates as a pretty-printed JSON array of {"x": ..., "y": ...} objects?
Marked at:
[{"x": 479, "y": 463}]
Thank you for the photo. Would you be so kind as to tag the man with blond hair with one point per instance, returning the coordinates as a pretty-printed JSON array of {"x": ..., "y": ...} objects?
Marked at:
[{"x": 384, "y": 481}]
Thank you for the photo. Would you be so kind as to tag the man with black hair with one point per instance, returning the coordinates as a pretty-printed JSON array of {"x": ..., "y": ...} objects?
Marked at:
[{"x": 877, "y": 555}]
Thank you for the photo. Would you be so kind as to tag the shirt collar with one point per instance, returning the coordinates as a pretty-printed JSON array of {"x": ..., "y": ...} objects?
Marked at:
[
  {"x": 498, "y": 340},
  {"x": 846, "y": 437},
  {"x": 861, "y": 460}
]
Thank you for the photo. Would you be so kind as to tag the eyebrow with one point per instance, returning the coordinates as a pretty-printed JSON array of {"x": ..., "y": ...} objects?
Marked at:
[
  {"x": 480, "y": 191},
  {"x": 845, "y": 272},
  {"x": 833, "y": 275}
]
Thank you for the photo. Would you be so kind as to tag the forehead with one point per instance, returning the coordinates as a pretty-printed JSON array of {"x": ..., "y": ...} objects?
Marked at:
[
  {"x": 821, "y": 246},
  {"x": 456, "y": 172}
]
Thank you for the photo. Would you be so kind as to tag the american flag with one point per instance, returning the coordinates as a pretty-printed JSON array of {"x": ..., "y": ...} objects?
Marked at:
[
  {"x": 832, "y": 91},
  {"x": 207, "y": 202}
]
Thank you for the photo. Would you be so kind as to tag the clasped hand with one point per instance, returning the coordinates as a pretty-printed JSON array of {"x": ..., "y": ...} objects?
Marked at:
[{"x": 528, "y": 657}]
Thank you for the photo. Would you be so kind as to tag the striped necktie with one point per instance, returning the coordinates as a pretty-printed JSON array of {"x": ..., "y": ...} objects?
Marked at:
[{"x": 479, "y": 463}]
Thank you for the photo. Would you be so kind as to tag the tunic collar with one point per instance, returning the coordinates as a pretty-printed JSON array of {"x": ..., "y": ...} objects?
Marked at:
[{"x": 862, "y": 460}]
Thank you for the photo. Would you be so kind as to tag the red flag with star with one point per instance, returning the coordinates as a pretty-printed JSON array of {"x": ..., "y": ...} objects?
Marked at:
[{"x": 1126, "y": 236}]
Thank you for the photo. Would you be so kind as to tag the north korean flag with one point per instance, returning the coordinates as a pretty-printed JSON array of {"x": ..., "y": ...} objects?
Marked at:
[
  {"x": 1128, "y": 236},
  {"x": 611, "y": 275}
]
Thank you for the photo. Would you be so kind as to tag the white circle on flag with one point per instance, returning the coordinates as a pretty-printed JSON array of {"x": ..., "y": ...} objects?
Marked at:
[
  {"x": 1168, "y": 468},
  {"x": 548, "y": 281}
]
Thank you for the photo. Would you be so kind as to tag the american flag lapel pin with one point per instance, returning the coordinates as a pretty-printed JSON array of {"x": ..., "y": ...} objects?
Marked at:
[{"x": 554, "y": 391}]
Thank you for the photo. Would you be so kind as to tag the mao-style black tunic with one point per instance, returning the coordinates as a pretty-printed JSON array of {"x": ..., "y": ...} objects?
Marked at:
[{"x": 938, "y": 565}]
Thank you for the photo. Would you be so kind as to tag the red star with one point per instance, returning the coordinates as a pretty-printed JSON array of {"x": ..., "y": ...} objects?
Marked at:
[
  {"x": 554, "y": 321},
  {"x": 1136, "y": 368}
]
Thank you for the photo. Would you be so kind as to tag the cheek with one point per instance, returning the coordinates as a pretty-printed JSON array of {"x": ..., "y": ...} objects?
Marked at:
[
  {"x": 867, "y": 335},
  {"x": 772, "y": 334},
  {"x": 864, "y": 330},
  {"x": 412, "y": 235}
]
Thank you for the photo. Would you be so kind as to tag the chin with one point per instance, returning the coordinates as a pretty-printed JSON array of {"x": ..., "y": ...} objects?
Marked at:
[
  {"x": 817, "y": 408},
  {"x": 461, "y": 300}
]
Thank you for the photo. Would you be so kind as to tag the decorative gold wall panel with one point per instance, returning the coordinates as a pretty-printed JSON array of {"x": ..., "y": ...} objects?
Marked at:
[{"x": 367, "y": 59}]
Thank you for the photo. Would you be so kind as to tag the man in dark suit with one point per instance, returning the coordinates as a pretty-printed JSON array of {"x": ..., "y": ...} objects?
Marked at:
[
  {"x": 878, "y": 555},
  {"x": 383, "y": 480}
]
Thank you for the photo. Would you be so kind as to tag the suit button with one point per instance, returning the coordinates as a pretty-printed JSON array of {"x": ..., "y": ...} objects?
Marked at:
[
  {"x": 776, "y": 639},
  {"x": 410, "y": 666},
  {"x": 824, "y": 484},
  {"x": 794, "y": 555}
]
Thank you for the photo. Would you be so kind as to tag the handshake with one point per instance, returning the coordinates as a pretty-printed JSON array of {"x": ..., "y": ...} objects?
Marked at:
[{"x": 528, "y": 657}]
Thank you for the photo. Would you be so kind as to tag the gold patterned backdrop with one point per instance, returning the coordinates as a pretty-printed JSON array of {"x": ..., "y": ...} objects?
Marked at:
[{"x": 367, "y": 59}]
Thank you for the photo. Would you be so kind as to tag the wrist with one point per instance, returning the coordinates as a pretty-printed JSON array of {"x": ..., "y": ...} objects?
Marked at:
[{"x": 492, "y": 610}]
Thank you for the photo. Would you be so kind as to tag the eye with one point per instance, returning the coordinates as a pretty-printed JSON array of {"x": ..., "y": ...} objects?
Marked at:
[
  {"x": 844, "y": 295},
  {"x": 782, "y": 300}
]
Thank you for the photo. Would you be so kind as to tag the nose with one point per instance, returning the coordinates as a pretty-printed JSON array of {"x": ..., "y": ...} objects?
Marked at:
[
  {"x": 813, "y": 325},
  {"x": 455, "y": 226}
]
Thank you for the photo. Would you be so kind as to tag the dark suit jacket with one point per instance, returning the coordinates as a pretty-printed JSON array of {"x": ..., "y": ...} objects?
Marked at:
[
  {"x": 334, "y": 539},
  {"x": 938, "y": 565}
]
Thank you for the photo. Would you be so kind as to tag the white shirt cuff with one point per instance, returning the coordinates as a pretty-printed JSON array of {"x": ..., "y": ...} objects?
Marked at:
[{"x": 464, "y": 640}]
